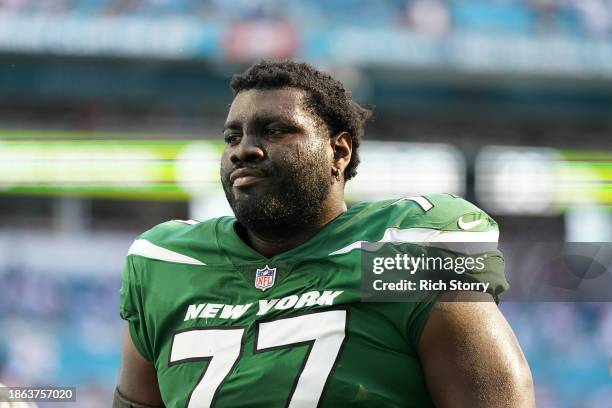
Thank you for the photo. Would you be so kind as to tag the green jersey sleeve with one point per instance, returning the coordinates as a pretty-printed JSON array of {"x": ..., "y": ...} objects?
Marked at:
[
  {"x": 131, "y": 307},
  {"x": 451, "y": 227},
  {"x": 417, "y": 319}
]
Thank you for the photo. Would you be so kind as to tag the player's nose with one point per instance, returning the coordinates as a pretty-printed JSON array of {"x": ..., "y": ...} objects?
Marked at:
[{"x": 248, "y": 150}]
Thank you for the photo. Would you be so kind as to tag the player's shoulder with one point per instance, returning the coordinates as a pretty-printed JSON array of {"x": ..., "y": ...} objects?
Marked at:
[
  {"x": 181, "y": 241},
  {"x": 416, "y": 219},
  {"x": 176, "y": 229},
  {"x": 439, "y": 211}
]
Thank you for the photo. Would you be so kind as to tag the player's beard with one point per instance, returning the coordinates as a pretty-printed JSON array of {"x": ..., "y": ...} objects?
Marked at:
[{"x": 293, "y": 197}]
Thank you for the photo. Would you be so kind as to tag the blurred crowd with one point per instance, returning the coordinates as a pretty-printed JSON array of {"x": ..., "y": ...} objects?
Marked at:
[
  {"x": 62, "y": 331},
  {"x": 568, "y": 348},
  {"x": 434, "y": 17},
  {"x": 67, "y": 331}
]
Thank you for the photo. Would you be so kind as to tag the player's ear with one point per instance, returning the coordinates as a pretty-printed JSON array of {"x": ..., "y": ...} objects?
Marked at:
[{"x": 342, "y": 148}]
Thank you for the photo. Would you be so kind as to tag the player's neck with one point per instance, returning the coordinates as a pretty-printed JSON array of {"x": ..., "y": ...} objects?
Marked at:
[{"x": 276, "y": 243}]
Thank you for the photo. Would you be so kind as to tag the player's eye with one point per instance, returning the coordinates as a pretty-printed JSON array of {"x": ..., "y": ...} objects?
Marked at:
[
  {"x": 232, "y": 138},
  {"x": 275, "y": 131}
]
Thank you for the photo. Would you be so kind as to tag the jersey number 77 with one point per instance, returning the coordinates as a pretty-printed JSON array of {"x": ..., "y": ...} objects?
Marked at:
[{"x": 323, "y": 332}]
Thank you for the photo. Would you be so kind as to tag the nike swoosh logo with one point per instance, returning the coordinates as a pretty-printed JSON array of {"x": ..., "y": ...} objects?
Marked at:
[{"x": 466, "y": 226}]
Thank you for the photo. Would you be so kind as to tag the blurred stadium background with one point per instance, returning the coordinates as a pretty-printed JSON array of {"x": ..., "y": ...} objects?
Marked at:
[{"x": 110, "y": 122}]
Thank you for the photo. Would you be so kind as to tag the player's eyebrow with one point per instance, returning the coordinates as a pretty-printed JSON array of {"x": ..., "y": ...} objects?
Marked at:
[{"x": 234, "y": 124}]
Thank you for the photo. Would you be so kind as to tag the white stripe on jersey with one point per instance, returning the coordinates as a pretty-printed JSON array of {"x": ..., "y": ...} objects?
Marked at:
[
  {"x": 147, "y": 249},
  {"x": 188, "y": 222},
  {"x": 423, "y": 202},
  {"x": 432, "y": 236}
]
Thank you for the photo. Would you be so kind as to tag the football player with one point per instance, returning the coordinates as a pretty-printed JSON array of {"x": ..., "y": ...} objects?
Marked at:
[{"x": 265, "y": 309}]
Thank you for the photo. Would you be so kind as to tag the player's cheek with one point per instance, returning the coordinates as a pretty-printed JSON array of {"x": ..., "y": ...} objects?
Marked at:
[{"x": 225, "y": 165}]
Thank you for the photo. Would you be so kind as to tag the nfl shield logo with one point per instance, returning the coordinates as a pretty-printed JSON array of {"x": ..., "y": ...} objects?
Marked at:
[{"x": 264, "y": 278}]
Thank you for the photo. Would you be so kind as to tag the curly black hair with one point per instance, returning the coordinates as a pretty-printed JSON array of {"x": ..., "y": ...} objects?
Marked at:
[{"x": 327, "y": 97}]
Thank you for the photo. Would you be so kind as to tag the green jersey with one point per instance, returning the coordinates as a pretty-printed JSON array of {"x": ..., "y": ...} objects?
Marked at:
[{"x": 227, "y": 327}]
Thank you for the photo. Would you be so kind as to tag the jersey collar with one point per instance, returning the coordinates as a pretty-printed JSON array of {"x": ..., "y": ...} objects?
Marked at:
[{"x": 239, "y": 253}]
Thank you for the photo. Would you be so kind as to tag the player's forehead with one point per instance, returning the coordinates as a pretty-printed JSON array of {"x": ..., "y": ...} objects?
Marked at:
[{"x": 255, "y": 104}]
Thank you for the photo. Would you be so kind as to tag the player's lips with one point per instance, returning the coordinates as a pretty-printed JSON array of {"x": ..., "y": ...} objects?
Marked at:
[{"x": 244, "y": 177}]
